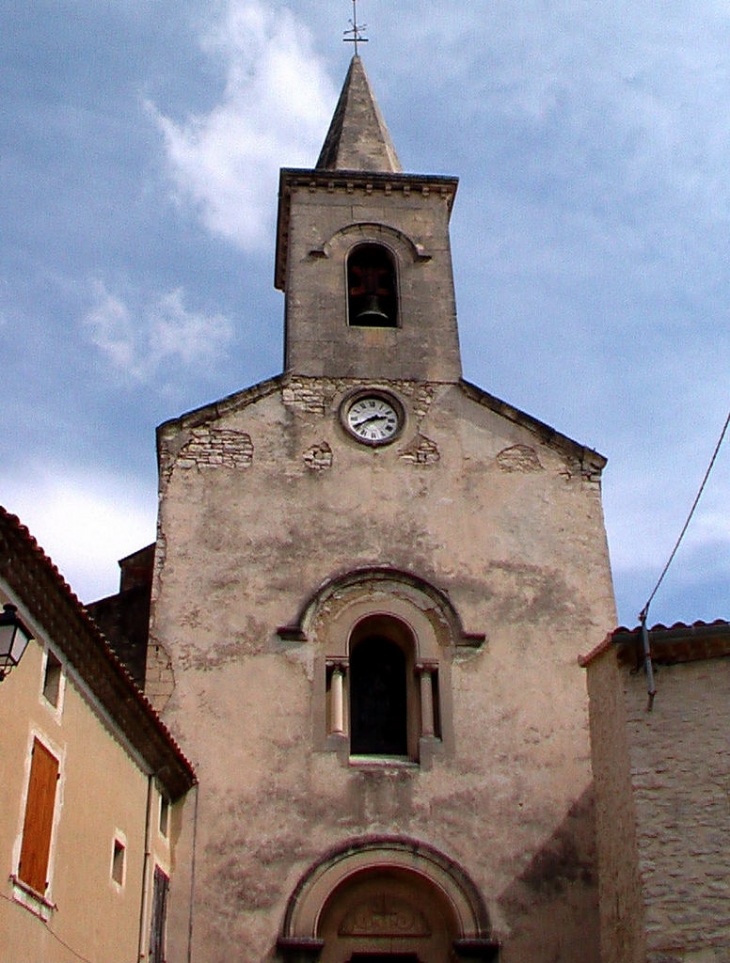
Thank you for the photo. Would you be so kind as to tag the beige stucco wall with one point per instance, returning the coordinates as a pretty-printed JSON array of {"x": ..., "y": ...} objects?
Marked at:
[
  {"x": 101, "y": 794},
  {"x": 266, "y": 497},
  {"x": 680, "y": 772}
]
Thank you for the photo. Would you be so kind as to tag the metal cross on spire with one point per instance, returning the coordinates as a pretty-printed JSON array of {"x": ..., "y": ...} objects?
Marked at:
[{"x": 354, "y": 35}]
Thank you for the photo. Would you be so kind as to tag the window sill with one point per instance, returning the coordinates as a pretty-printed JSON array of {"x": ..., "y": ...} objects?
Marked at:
[
  {"x": 382, "y": 762},
  {"x": 31, "y": 899}
]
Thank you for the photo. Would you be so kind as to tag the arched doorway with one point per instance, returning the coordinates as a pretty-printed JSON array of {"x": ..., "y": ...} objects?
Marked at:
[
  {"x": 386, "y": 900},
  {"x": 384, "y": 914}
]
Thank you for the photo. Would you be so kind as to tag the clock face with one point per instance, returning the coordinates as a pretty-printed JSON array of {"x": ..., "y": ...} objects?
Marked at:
[{"x": 373, "y": 419}]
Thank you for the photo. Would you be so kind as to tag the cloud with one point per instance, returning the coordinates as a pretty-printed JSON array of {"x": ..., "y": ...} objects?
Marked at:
[
  {"x": 166, "y": 331},
  {"x": 275, "y": 109},
  {"x": 83, "y": 521}
]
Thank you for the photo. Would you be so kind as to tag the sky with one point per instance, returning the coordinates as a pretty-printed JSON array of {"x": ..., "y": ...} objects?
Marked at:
[{"x": 139, "y": 157}]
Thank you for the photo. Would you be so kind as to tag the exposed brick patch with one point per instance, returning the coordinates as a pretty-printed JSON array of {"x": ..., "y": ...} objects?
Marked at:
[
  {"x": 422, "y": 451},
  {"x": 216, "y": 447},
  {"x": 318, "y": 457},
  {"x": 316, "y": 395},
  {"x": 421, "y": 396},
  {"x": 310, "y": 395},
  {"x": 520, "y": 458},
  {"x": 160, "y": 677}
]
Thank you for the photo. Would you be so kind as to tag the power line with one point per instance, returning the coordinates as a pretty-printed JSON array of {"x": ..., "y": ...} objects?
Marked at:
[
  {"x": 55, "y": 936},
  {"x": 645, "y": 610}
]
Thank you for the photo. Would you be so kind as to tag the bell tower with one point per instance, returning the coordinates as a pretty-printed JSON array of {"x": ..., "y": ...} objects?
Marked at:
[{"x": 363, "y": 256}]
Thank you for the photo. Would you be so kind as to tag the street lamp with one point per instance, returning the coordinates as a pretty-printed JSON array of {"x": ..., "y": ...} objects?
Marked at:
[{"x": 14, "y": 637}]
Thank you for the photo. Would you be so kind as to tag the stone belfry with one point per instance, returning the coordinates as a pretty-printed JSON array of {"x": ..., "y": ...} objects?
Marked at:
[
  {"x": 358, "y": 205},
  {"x": 373, "y": 581}
]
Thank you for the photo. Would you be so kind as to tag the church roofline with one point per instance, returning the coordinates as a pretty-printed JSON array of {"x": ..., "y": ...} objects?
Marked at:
[
  {"x": 292, "y": 179},
  {"x": 591, "y": 462},
  {"x": 216, "y": 409}
]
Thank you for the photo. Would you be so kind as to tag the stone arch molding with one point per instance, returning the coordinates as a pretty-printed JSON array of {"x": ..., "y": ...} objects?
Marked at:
[
  {"x": 331, "y": 614},
  {"x": 373, "y": 232},
  {"x": 302, "y": 936}
]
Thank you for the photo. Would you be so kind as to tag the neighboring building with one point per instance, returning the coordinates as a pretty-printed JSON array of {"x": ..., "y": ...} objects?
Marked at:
[
  {"x": 662, "y": 786},
  {"x": 124, "y": 618},
  {"x": 372, "y": 584},
  {"x": 92, "y": 784}
]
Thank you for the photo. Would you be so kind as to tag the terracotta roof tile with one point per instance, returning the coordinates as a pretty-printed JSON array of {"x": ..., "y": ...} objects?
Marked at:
[
  {"x": 679, "y": 642},
  {"x": 53, "y": 605}
]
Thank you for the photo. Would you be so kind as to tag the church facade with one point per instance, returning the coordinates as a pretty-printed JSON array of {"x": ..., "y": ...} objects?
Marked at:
[{"x": 372, "y": 584}]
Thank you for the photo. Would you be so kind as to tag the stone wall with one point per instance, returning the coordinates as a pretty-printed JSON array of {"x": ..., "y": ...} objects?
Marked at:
[
  {"x": 619, "y": 887},
  {"x": 671, "y": 823}
]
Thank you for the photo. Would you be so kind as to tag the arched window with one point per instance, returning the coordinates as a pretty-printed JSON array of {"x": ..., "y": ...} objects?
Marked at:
[
  {"x": 380, "y": 634},
  {"x": 371, "y": 287},
  {"x": 383, "y": 690},
  {"x": 378, "y": 698}
]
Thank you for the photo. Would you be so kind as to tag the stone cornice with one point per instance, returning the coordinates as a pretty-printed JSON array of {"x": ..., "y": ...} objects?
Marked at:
[{"x": 364, "y": 182}]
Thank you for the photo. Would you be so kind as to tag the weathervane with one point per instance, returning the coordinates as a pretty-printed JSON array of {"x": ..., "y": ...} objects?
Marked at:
[{"x": 354, "y": 35}]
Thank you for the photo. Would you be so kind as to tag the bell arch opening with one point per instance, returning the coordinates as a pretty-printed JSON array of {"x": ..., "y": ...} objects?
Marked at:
[{"x": 372, "y": 295}]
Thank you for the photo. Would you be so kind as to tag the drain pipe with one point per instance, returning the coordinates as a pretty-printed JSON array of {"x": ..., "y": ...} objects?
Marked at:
[
  {"x": 141, "y": 947},
  {"x": 647, "y": 660},
  {"x": 191, "y": 906}
]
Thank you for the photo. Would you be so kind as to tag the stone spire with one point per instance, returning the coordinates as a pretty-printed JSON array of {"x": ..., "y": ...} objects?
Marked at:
[{"x": 358, "y": 139}]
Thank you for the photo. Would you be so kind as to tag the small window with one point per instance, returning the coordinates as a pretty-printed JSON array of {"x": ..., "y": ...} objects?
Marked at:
[
  {"x": 52, "y": 679},
  {"x": 371, "y": 287},
  {"x": 164, "y": 816},
  {"x": 118, "y": 862}
]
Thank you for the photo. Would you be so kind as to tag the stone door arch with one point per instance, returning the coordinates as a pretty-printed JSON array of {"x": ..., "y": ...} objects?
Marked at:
[{"x": 377, "y": 901}]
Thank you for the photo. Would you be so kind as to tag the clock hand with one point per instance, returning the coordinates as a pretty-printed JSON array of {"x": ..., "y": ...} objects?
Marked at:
[{"x": 364, "y": 421}]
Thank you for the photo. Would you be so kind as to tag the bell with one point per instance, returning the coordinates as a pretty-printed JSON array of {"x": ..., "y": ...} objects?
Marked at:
[{"x": 372, "y": 313}]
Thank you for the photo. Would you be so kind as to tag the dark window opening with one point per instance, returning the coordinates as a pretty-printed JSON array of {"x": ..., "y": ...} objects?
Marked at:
[
  {"x": 371, "y": 287},
  {"x": 52, "y": 679},
  {"x": 160, "y": 888},
  {"x": 378, "y": 699},
  {"x": 164, "y": 822},
  {"x": 436, "y": 704},
  {"x": 118, "y": 862}
]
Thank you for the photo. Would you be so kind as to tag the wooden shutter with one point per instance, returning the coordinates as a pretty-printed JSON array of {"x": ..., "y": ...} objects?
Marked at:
[{"x": 38, "y": 824}]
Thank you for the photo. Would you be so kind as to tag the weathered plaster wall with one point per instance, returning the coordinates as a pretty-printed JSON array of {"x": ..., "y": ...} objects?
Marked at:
[
  {"x": 680, "y": 772},
  {"x": 508, "y": 527}
]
